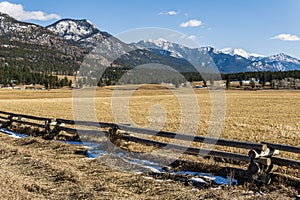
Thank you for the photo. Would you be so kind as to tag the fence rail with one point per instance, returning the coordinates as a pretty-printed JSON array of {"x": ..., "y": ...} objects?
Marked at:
[
  {"x": 190, "y": 150},
  {"x": 171, "y": 135},
  {"x": 285, "y": 162},
  {"x": 5, "y": 118},
  {"x": 186, "y": 137},
  {"x": 26, "y": 116},
  {"x": 41, "y": 122},
  {"x": 76, "y": 131},
  {"x": 258, "y": 147},
  {"x": 281, "y": 147},
  {"x": 85, "y": 123},
  {"x": 262, "y": 153},
  {"x": 30, "y": 123}
]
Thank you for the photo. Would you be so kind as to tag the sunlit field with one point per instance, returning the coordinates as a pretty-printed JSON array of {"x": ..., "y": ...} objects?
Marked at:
[{"x": 270, "y": 116}]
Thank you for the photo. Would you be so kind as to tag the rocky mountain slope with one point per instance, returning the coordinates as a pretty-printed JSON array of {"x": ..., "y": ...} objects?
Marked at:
[
  {"x": 113, "y": 51},
  {"x": 81, "y": 32},
  {"x": 26, "y": 47},
  {"x": 32, "y": 34}
]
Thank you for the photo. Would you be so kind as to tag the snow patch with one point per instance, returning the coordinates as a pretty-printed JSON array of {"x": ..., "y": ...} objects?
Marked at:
[
  {"x": 241, "y": 53},
  {"x": 216, "y": 179},
  {"x": 95, "y": 151},
  {"x": 13, "y": 134},
  {"x": 197, "y": 180}
]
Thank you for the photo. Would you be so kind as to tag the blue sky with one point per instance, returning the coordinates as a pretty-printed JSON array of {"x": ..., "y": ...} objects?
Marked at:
[{"x": 259, "y": 26}]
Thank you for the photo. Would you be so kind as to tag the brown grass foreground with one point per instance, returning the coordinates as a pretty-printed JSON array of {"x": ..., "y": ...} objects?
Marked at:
[
  {"x": 36, "y": 169},
  {"x": 32, "y": 168}
]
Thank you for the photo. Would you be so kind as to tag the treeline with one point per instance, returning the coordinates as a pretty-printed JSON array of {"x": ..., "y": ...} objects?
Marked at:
[
  {"x": 10, "y": 76},
  {"x": 23, "y": 73},
  {"x": 118, "y": 75},
  {"x": 122, "y": 76},
  {"x": 262, "y": 77},
  {"x": 275, "y": 80}
]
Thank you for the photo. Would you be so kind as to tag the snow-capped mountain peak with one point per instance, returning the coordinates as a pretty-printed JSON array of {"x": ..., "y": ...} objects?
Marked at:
[
  {"x": 241, "y": 52},
  {"x": 162, "y": 40},
  {"x": 73, "y": 29},
  {"x": 174, "y": 49},
  {"x": 282, "y": 58},
  {"x": 227, "y": 59},
  {"x": 82, "y": 32},
  {"x": 211, "y": 49}
]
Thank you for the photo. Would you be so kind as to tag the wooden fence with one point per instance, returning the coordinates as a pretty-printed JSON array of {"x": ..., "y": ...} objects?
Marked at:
[
  {"x": 10, "y": 118},
  {"x": 262, "y": 156}
]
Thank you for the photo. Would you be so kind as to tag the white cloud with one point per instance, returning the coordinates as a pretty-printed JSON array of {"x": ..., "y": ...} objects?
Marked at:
[
  {"x": 17, "y": 11},
  {"x": 171, "y": 12},
  {"x": 191, "y": 23},
  {"x": 286, "y": 37}
]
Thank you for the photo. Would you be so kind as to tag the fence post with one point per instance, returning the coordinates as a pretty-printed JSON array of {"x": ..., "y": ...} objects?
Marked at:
[
  {"x": 47, "y": 126},
  {"x": 9, "y": 122}
]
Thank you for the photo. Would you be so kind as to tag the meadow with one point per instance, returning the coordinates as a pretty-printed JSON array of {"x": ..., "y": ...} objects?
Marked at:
[
  {"x": 270, "y": 116},
  {"x": 41, "y": 168}
]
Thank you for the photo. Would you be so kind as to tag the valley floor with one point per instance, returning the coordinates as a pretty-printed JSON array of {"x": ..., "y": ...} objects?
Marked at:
[{"x": 32, "y": 168}]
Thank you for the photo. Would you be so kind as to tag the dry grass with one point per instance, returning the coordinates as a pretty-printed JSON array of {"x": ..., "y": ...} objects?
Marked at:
[
  {"x": 270, "y": 116},
  {"x": 36, "y": 169}
]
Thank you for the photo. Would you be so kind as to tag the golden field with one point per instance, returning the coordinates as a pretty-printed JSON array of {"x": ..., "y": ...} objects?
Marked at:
[
  {"x": 270, "y": 116},
  {"x": 256, "y": 116},
  {"x": 36, "y": 169}
]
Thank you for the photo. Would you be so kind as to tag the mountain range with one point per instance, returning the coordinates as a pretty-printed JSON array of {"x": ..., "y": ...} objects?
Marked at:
[
  {"x": 62, "y": 46},
  {"x": 236, "y": 60}
]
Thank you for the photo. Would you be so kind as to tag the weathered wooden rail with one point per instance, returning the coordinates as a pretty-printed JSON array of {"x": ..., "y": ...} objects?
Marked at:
[
  {"x": 283, "y": 147},
  {"x": 41, "y": 122},
  {"x": 262, "y": 156},
  {"x": 186, "y": 137}
]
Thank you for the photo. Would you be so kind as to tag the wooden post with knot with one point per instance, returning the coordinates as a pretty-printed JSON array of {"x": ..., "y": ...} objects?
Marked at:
[{"x": 261, "y": 163}]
